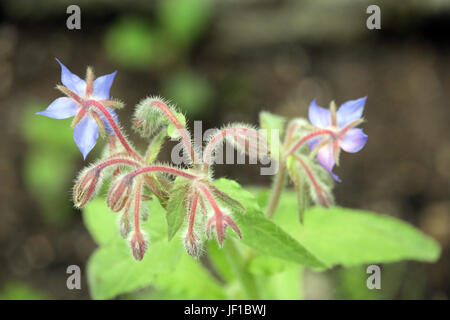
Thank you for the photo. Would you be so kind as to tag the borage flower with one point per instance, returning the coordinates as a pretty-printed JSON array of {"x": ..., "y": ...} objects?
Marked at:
[
  {"x": 87, "y": 121},
  {"x": 340, "y": 125}
]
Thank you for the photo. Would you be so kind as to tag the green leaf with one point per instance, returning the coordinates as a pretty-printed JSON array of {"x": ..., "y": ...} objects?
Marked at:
[
  {"x": 265, "y": 236},
  {"x": 270, "y": 121},
  {"x": 235, "y": 191},
  {"x": 285, "y": 285},
  {"x": 341, "y": 236},
  {"x": 190, "y": 280},
  {"x": 176, "y": 210},
  {"x": 219, "y": 261},
  {"x": 172, "y": 131},
  {"x": 261, "y": 233},
  {"x": 111, "y": 269},
  {"x": 155, "y": 146},
  {"x": 261, "y": 264},
  {"x": 100, "y": 222}
]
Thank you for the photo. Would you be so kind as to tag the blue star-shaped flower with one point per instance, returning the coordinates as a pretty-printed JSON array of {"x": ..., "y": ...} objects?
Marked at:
[
  {"x": 342, "y": 123},
  {"x": 86, "y": 122}
]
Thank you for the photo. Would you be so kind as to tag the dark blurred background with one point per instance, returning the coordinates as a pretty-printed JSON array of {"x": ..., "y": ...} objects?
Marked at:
[{"x": 223, "y": 61}]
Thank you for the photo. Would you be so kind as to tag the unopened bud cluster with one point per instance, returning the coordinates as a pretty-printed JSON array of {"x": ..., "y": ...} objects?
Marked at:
[{"x": 309, "y": 152}]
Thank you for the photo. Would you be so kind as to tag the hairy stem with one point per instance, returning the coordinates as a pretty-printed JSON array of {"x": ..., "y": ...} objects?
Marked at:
[
  {"x": 114, "y": 161},
  {"x": 137, "y": 203},
  {"x": 277, "y": 188},
  {"x": 192, "y": 212},
  {"x": 181, "y": 129},
  {"x": 278, "y": 183},
  {"x": 308, "y": 137},
  {"x": 115, "y": 128},
  {"x": 170, "y": 170}
]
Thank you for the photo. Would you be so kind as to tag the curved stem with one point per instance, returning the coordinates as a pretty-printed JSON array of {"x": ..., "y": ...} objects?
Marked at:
[
  {"x": 114, "y": 161},
  {"x": 323, "y": 198},
  {"x": 290, "y": 133},
  {"x": 192, "y": 213},
  {"x": 308, "y": 137},
  {"x": 114, "y": 126},
  {"x": 161, "y": 169},
  {"x": 181, "y": 129}
]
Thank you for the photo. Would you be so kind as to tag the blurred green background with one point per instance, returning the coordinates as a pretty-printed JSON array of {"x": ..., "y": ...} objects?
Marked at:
[{"x": 222, "y": 61}]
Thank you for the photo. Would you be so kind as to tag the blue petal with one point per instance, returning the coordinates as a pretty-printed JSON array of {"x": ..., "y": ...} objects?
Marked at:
[
  {"x": 60, "y": 108},
  {"x": 350, "y": 111},
  {"x": 102, "y": 85},
  {"x": 353, "y": 141},
  {"x": 335, "y": 177},
  {"x": 312, "y": 143},
  {"x": 326, "y": 159},
  {"x": 85, "y": 134},
  {"x": 320, "y": 117},
  {"x": 71, "y": 80}
]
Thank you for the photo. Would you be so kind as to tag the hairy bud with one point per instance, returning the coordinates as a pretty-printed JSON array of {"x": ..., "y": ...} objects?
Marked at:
[
  {"x": 86, "y": 187},
  {"x": 316, "y": 178},
  {"x": 193, "y": 244},
  {"x": 148, "y": 118},
  {"x": 243, "y": 137},
  {"x": 138, "y": 244},
  {"x": 119, "y": 193},
  {"x": 247, "y": 140}
]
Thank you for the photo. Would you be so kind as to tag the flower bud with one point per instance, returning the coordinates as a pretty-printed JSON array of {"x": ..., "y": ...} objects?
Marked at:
[
  {"x": 119, "y": 193},
  {"x": 322, "y": 195},
  {"x": 138, "y": 244},
  {"x": 193, "y": 244},
  {"x": 148, "y": 119},
  {"x": 248, "y": 140},
  {"x": 86, "y": 187}
]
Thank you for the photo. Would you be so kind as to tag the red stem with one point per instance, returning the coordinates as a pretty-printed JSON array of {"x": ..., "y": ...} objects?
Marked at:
[
  {"x": 290, "y": 133},
  {"x": 161, "y": 169},
  {"x": 193, "y": 209},
  {"x": 137, "y": 202},
  {"x": 211, "y": 200},
  {"x": 111, "y": 162},
  {"x": 314, "y": 182},
  {"x": 210, "y": 146},
  {"x": 181, "y": 129},
  {"x": 114, "y": 126},
  {"x": 218, "y": 138},
  {"x": 309, "y": 136}
]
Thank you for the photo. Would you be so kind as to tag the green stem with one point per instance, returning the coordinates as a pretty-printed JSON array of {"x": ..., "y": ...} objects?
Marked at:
[
  {"x": 238, "y": 264},
  {"x": 277, "y": 188}
]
